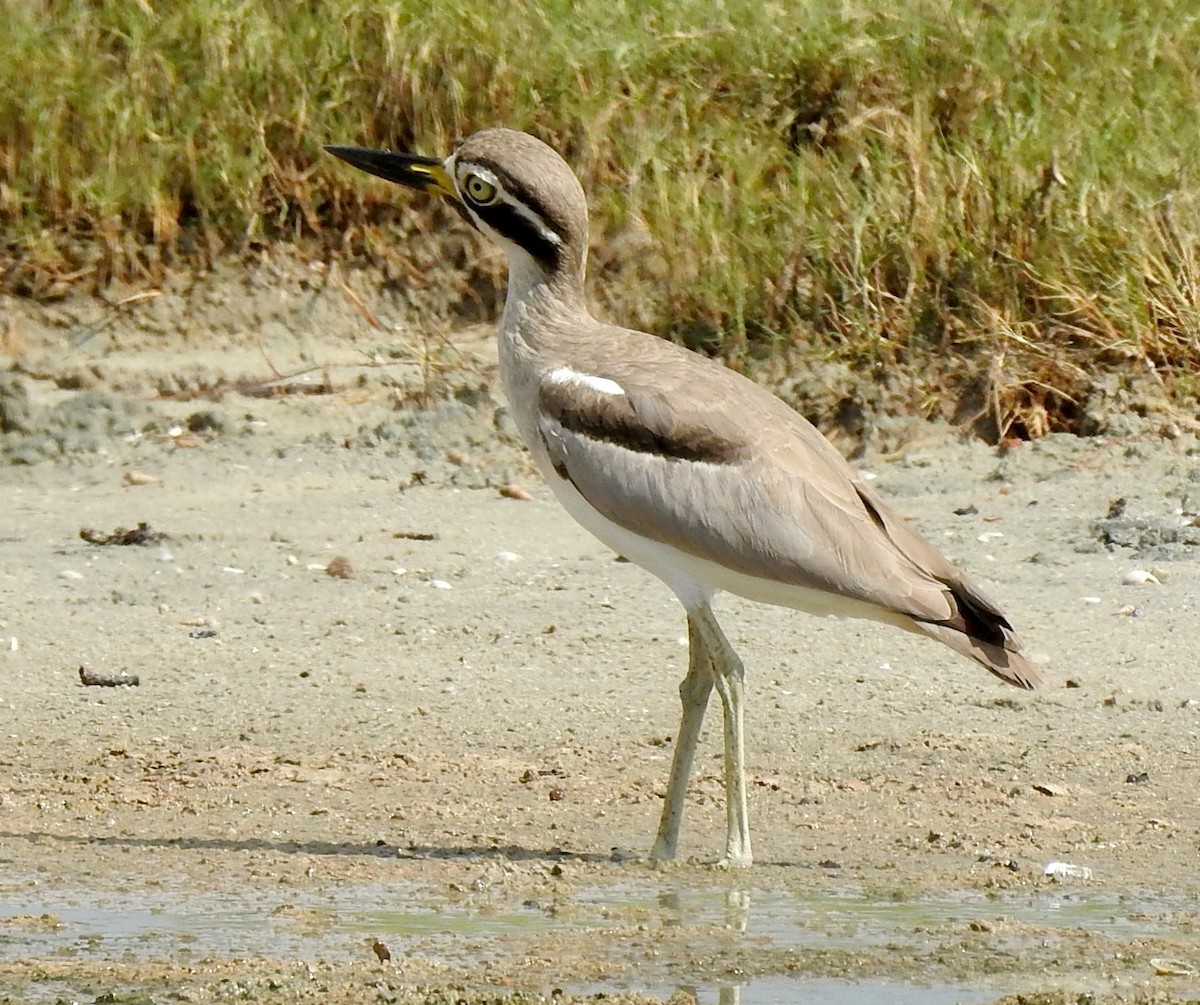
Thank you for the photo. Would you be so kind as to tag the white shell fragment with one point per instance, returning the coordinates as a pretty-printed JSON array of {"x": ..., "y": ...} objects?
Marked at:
[
  {"x": 1139, "y": 577},
  {"x": 1066, "y": 870},
  {"x": 1171, "y": 968}
]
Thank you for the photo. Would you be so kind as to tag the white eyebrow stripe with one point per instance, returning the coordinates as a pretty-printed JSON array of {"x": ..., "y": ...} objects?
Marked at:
[
  {"x": 483, "y": 173},
  {"x": 565, "y": 375},
  {"x": 532, "y": 217}
]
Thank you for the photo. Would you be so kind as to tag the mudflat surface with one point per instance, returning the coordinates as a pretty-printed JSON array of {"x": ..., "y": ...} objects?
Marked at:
[{"x": 386, "y": 709}]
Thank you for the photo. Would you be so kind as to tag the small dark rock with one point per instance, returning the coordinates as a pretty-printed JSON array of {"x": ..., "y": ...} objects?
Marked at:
[
  {"x": 207, "y": 421},
  {"x": 340, "y": 567},
  {"x": 89, "y": 678}
]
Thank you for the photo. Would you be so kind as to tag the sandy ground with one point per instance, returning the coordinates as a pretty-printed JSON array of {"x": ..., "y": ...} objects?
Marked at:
[{"x": 454, "y": 753}]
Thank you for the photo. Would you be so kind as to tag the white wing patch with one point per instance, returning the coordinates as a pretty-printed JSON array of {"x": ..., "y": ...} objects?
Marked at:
[{"x": 565, "y": 375}]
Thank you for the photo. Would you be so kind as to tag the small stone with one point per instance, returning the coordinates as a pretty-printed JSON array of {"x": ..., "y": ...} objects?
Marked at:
[
  {"x": 340, "y": 567},
  {"x": 1049, "y": 789}
]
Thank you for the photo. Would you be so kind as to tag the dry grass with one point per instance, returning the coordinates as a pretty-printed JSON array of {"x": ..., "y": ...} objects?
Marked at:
[{"x": 1000, "y": 199}]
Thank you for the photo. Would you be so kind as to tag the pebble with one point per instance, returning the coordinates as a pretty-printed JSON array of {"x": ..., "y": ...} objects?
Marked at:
[
  {"x": 1129, "y": 611},
  {"x": 340, "y": 567},
  {"x": 440, "y": 584}
]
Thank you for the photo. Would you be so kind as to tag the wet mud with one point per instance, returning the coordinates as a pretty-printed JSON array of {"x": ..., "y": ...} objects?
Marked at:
[{"x": 401, "y": 730}]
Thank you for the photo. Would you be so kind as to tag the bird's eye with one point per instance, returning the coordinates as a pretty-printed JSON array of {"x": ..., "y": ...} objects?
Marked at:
[{"x": 479, "y": 190}]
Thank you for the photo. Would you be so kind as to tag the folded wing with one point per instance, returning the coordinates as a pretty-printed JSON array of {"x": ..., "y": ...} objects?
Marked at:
[{"x": 750, "y": 485}]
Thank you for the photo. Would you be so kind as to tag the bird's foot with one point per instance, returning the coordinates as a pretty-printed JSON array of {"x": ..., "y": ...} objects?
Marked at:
[{"x": 736, "y": 859}]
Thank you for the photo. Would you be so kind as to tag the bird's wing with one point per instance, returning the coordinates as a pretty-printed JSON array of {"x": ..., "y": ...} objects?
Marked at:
[
  {"x": 688, "y": 467},
  {"x": 693, "y": 455}
]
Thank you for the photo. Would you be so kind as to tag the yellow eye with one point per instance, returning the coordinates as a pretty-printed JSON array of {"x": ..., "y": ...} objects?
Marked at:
[{"x": 479, "y": 190}]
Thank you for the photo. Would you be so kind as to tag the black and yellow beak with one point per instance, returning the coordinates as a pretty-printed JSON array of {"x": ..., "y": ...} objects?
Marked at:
[{"x": 425, "y": 174}]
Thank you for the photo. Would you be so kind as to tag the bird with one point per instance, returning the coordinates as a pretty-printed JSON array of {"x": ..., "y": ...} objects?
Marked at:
[{"x": 680, "y": 464}]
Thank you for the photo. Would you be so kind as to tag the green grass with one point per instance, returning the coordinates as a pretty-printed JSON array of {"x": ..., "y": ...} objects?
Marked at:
[{"x": 998, "y": 199}]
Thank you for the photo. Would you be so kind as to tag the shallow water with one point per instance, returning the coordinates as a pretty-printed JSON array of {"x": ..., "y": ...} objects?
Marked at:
[
  {"x": 468, "y": 929},
  {"x": 789, "y": 991}
]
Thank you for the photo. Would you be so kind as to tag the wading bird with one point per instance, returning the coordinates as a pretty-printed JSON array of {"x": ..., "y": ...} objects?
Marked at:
[{"x": 683, "y": 466}]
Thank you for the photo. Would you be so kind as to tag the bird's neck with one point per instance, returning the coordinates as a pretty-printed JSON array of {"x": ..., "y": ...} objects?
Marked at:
[{"x": 540, "y": 304}]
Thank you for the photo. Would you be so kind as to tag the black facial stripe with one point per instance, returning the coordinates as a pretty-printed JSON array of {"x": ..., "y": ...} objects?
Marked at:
[
  {"x": 523, "y": 194},
  {"x": 509, "y": 222}
]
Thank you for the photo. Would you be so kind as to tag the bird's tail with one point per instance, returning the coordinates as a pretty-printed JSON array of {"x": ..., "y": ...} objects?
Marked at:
[{"x": 1002, "y": 656}]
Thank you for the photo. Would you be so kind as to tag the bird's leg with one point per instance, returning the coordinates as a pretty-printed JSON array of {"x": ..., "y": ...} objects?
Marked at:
[
  {"x": 694, "y": 690},
  {"x": 729, "y": 678}
]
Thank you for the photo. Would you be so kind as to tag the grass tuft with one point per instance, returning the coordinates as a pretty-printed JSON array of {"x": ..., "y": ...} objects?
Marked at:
[{"x": 999, "y": 199}]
